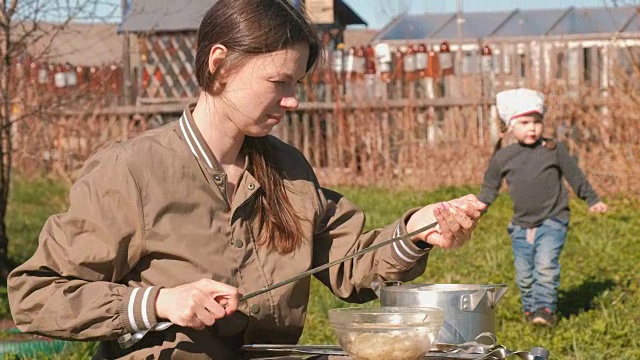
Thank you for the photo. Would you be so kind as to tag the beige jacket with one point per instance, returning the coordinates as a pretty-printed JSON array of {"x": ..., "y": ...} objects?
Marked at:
[{"x": 153, "y": 212}]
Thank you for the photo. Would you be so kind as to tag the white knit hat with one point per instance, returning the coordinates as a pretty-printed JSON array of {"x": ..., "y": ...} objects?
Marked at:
[{"x": 518, "y": 102}]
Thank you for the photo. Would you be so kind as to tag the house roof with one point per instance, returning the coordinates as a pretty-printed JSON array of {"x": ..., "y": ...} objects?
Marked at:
[
  {"x": 480, "y": 25},
  {"x": 516, "y": 23},
  {"x": 149, "y": 16},
  {"x": 79, "y": 44},
  {"x": 530, "y": 23},
  {"x": 346, "y": 14},
  {"x": 164, "y": 16},
  {"x": 593, "y": 21},
  {"x": 634, "y": 24},
  {"x": 414, "y": 26}
]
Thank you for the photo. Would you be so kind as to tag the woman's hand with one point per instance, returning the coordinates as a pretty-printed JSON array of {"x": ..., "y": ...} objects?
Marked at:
[
  {"x": 599, "y": 207},
  {"x": 456, "y": 220},
  {"x": 197, "y": 304}
]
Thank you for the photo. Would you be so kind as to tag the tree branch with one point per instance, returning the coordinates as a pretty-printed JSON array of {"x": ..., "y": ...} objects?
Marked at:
[{"x": 12, "y": 8}]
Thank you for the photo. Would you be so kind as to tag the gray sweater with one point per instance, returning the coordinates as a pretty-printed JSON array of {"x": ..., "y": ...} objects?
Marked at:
[{"x": 534, "y": 176}]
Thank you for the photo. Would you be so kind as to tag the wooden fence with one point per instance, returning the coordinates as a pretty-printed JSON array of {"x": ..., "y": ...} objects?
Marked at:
[
  {"x": 422, "y": 122},
  {"x": 421, "y": 143},
  {"x": 365, "y": 143}
]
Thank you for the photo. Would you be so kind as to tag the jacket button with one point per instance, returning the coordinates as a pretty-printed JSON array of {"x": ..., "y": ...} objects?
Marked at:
[
  {"x": 217, "y": 177},
  {"x": 255, "y": 308},
  {"x": 251, "y": 186},
  {"x": 238, "y": 243}
]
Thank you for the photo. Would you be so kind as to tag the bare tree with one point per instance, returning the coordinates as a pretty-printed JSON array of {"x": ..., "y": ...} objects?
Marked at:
[{"x": 23, "y": 23}]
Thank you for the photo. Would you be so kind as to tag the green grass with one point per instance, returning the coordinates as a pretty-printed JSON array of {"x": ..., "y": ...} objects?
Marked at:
[
  {"x": 600, "y": 281},
  {"x": 30, "y": 204},
  {"x": 600, "y": 285}
]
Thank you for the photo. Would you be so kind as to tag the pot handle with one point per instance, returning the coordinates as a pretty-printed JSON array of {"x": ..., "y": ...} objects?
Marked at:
[
  {"x": 469, "y": 302},
  {"x": 376, "y": 285},
  {"x": 496, "y": 292}
]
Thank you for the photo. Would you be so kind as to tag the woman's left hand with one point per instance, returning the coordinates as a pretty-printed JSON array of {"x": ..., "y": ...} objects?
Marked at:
[{"x": 456, "y": 220}]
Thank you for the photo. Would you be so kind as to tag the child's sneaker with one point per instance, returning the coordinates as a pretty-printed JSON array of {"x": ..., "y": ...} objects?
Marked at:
[
  {"x": 529, "y": 315},
  {"x": 545, "y": 317}
]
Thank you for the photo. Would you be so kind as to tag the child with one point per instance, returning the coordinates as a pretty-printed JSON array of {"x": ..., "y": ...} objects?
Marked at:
[{"x": 534, "y": 167}]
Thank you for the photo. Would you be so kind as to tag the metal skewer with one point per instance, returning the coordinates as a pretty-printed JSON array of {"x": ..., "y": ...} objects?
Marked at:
[{"x": 128, "y": 340}]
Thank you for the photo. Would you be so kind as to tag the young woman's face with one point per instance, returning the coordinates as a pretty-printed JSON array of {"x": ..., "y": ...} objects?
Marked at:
[
  {"x": 260, "y": 91},
  {"x": 527, "y": 129}
]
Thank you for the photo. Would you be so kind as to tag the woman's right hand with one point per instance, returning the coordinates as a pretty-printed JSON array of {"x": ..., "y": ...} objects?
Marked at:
[
  {"x": 456, "y": 220},
  {"x": 197, "y": 304}
]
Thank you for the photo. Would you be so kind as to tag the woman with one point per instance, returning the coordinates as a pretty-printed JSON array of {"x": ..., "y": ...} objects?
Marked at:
[{"x": 174, "y": 224}]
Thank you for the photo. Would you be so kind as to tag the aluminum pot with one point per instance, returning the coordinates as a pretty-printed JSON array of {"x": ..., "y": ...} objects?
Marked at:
[{"x": 468, "y": 309}]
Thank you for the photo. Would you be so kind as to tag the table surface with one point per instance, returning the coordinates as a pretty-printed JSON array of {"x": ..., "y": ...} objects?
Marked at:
[{"x": 333, "y": 357}]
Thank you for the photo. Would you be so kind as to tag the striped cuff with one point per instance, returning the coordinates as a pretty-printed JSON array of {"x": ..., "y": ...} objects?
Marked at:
[
  {"x": 406, "y": 251},
  {"x": 138, "y": 309}
]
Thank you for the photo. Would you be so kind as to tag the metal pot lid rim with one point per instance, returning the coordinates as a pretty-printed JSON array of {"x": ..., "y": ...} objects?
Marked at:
[{"x": 440, "y": 287}]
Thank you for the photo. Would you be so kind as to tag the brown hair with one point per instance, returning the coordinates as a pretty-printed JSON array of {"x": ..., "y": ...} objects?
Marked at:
[
  {"x": 503, "y": 132},
  {"x": 247, "y": 28}
]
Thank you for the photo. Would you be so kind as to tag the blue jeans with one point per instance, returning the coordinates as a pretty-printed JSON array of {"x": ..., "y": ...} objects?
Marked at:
[{"x": 537, "y": 264}]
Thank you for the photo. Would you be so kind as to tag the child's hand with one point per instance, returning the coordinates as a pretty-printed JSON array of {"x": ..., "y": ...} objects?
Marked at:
[{"x": 599, "y": 207}]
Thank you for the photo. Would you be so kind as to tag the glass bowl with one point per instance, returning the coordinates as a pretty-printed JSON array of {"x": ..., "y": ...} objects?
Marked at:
[{"x": 386, "y": 333}]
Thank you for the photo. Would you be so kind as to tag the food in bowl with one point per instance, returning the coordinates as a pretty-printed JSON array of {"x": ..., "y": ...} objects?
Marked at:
[
  {"x": 385, "y": 346},
  {"x": 386, "y": 333}
]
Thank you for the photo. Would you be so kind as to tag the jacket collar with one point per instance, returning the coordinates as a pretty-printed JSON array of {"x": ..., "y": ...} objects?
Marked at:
[{"x": 195, "y": 140}]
